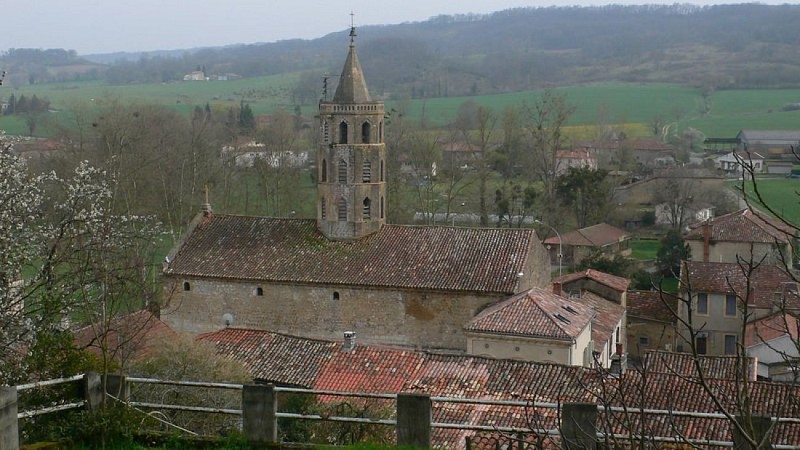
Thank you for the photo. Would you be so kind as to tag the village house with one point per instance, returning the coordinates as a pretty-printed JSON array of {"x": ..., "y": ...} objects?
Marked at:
[
  {"x": 607, "y": 295},
  {"x": 346, "y": 270},
  {"x": 578, "y": 244},
  {"x": 773, "y": 342},
  {"x": 739, "y": 164},
  {"x": 535, "y": 325},
  {"x": 578, "y": 159},
  {"x": 723, "y": 296},
  {"x": 744, "y": 234}
]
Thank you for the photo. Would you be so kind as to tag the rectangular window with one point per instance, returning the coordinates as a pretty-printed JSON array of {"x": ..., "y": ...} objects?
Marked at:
[
  {"x": 644, "y": 341},
  {"x": 701, "y": 344},
  {"x": 730, "y": 305},
  {"x": 702, "y": 304},
  {"x": 730, "y": 344}
]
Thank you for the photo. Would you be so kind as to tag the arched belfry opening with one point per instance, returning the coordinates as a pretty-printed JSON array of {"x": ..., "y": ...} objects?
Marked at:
[
  {"x": 367, "y": 210},
  {"x": 366, "y": 129},
  {"x": 343, "y": 133}
]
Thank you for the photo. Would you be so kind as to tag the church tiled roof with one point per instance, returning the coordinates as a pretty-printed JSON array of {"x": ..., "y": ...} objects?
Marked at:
[{"x": 412, "y": 257}]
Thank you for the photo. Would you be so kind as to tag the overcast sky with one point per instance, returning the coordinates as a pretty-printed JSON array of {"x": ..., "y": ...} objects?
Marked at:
[{"x": 103, "y": 26}]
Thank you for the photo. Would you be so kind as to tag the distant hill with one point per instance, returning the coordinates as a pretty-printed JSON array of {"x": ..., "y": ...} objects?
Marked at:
[{"x": 715, "y": 47}]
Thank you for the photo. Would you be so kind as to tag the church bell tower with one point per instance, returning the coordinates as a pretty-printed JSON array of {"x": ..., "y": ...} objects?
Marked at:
[{"x": 351, "y": 158}]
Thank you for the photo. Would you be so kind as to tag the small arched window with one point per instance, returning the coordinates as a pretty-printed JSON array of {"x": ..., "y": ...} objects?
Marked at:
[
  {"x": 380, "y": 131},
  {"x": 187, "y": 286},
  {"x": 260, "y": 291},
  {"x": 381, "y": 170},
  {"x": 366, "y": 171},
  {"x": 343, "y": 133},
  {"x": 366, "y": 130},
  {"x": 367, "y": 208},
  {"x": 342, "y": 172},
  {"x": 342, "y": 210},
  {"x": 335, "y": 295},
  {"x": 324, "y": 174},
  {"x": 381, "y": 207}
]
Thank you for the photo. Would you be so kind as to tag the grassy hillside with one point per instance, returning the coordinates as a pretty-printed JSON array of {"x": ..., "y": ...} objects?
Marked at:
[{"x": 632, "y": 105}]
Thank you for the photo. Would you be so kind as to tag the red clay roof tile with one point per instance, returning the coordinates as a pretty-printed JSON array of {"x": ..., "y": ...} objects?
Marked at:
[
  {"x": 292, "y": 250},
  {"x": 536, "y": 313}
]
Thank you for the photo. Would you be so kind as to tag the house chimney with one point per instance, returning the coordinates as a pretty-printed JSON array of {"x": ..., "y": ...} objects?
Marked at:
[
  {"x": 557, "y": 288},
  {"x": 619, "y": 362},
  {"x": 706, "y": 240},
  {"x": 349, "y": 341}
]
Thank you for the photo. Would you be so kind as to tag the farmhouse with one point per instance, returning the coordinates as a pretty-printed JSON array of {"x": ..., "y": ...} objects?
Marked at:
[
  {"x": 346, "y": 270},
  {"x": 741, "y": 235}
]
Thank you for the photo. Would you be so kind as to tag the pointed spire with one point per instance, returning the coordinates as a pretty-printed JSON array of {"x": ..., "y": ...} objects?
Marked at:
[{"x": 352, "y": 86}]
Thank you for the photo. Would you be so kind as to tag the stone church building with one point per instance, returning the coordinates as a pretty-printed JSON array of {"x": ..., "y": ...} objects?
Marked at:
[{"x": 346, "y": 270}]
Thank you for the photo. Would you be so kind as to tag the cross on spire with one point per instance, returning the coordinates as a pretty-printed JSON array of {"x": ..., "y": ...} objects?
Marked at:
[{"x": 352, "y": 29}]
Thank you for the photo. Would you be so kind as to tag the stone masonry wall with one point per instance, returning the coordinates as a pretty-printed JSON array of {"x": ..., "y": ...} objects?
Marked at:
[{"x": 391, "y": 316}]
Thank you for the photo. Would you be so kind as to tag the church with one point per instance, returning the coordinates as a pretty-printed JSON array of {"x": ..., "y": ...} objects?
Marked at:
[{"x": 346, "y": 270}]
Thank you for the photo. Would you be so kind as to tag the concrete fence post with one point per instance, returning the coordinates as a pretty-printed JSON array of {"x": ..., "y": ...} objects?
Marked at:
[
  {"x": 9, "y": 424},
  {"x": 579, "y": 426},
  {"x": 414, "y": 420},
  {"x": 259, "y": 413},
  {"x": 117, "y": 385},
  {"x": 758, "y": 427},
  {"x": 93, "y": 391}
]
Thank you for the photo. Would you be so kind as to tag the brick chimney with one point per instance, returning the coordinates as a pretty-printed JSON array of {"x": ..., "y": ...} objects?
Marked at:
[
  {"x": 706, "y": 240},
  {"x": 557, "y": 288},
  {"x": 619, "y": 362}
]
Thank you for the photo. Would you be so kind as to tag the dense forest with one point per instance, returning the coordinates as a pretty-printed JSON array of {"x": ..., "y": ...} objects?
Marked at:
[{"x": 717, "y": 47}]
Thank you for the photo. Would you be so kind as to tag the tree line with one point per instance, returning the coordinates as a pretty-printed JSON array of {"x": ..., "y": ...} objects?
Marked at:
[{"x": 723, "y": 46}]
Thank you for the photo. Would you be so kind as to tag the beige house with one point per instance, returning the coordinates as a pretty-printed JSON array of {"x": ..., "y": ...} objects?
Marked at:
[
  {"x": 607, "y": 294},
  {"x": 717, "y": 298},
  {"x": 744, "y": 234},
  {"x": 740, "y": 163},
  {"x": 346, "y": 269},
  {"x": 578, "y": 159},
  {"x": 535, "y": 325}
]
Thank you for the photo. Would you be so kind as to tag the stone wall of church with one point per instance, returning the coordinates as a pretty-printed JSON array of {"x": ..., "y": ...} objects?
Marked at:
[{"x": 391, "y": 316}]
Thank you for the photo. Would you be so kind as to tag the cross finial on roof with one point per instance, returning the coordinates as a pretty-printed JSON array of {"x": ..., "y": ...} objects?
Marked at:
[{"x": 352, "y": 29}]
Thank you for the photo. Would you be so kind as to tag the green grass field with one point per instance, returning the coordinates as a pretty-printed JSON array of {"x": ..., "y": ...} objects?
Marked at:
[
  {"x": 633, "y": 105},
  {"x": 644, "y": 249},
  {"x": 781, "y": 194}
]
